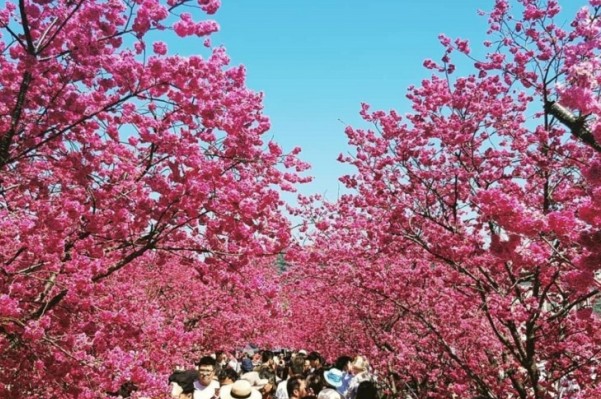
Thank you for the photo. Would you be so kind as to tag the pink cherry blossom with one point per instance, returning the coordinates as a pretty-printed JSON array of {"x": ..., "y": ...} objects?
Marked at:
[
  {"x": 464, "y": 257},
  {"x": 126, "y": 226},
  {"x": 159, "y": 48}
]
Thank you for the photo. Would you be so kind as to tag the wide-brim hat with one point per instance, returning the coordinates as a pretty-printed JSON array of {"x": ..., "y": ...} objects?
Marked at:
[
  {"x": 333, "y": 377},
  {"x": 240, "y": 389}
]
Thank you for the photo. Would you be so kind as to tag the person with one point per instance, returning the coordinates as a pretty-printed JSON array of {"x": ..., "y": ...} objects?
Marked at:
[
  {"x": 296, "y": 368},
  {"x": 314, "y": 384},
  {"x": 267, "y": 367},
  {"x": 268, "y": 390},
  {"x": 206, "y": 386},
  {"x": 182, "y": 384},
  {"x": 367, "y": 390},
  {"x": 315, "y": 363},
  {"x": 343, "y": 363},
  {"x": 233, "y": 362},
  {"x": 307, "y": 367},
  {"x": 227, "y": 376},
  {"x": 220, "y": 361},
  {"x": 296, "y": 387},
  {"x": 360, "y": 370},
  {"x": 256, "y": 381},
  {"x": 256, "y": 360},
  {"x": 282, "y": 366},
  {"x": 246, "y": 364},
  {"x": 332, "y": 379},
  {"x": 328, "y": 393}
]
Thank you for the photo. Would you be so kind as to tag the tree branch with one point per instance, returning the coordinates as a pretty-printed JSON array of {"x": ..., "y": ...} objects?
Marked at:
[{"x": 577, "y": 125}]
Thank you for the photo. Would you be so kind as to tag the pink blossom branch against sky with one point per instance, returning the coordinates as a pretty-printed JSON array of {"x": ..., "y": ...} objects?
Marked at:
[{"x": 317, "y": 61}]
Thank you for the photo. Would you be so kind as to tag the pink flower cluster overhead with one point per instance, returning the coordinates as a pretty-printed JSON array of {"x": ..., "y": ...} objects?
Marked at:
[{"x": 465, "y": 258}]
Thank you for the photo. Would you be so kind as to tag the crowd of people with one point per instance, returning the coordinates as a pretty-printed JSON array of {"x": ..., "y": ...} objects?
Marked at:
[{"x": 275, "y": 375}]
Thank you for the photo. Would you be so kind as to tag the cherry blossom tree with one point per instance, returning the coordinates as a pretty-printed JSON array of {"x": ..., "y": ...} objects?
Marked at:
[
  {"x": 468, "y": 247},
  {"x": 139, "y": 204}
]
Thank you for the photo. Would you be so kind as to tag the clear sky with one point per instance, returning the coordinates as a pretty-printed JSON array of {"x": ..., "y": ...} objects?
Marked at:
[{"x": 317, "y": 60}]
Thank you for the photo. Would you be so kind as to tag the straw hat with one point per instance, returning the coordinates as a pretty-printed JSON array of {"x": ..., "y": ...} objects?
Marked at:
[{"x": 240, "y": 389}]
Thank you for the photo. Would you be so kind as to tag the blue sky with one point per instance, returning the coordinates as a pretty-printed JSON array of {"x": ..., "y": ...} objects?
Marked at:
[{"x": 316, "y": 61}]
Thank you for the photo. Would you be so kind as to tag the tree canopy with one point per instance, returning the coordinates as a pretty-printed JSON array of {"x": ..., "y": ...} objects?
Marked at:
[{"x": 141, "y": 217}]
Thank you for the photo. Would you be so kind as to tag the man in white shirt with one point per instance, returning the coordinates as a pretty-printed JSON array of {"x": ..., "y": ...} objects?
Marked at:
[{"x": 206, "y": 385}]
